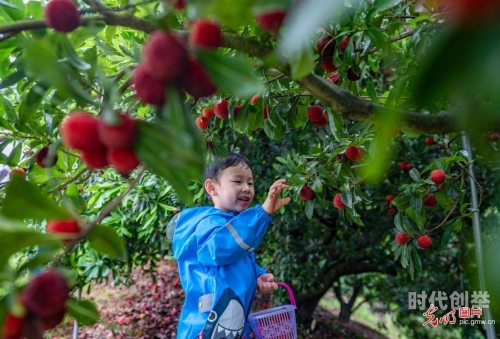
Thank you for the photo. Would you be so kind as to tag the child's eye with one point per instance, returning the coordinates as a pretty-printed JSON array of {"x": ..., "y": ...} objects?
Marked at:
[
  {"x": 237, "y": 181},
  {"x": 250, "y": 184}
]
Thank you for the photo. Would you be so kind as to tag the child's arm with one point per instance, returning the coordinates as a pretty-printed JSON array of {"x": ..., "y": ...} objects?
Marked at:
[{"x": 266, "y": 284}]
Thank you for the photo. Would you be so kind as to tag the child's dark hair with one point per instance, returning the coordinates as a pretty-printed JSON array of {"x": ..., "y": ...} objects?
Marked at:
[{"x": 214, "y": 170}]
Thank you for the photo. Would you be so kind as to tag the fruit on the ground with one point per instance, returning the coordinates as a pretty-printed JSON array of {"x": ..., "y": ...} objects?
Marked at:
[
  {"x": 343, "y": 43},
  {"x": 325, "y": 45},
  {"x": 322, "y": 122},
  {"x": 271, "y": 21},
  {"x": 12, "y": 327},
  {"x": 430, "y": 200},
  {"x": 408, "y": 167},
  {"x": 389, "y": 197},
  {"x": 207, "y": 112},
  {"x": 337, "y": 202},
  {"x": 45, "y": 296},
  {"x": 67, "y": 229},
  {"x": 352, "y": 76},
  {"x": 202, "y": 122},
  {"x": 494, "y": 137},
  {"x": 17, "y": 171},
  {"x": 402, "y": 165},
  {"x": 121, "y": 135},
  {"x": 62, "y": 15},
  {"x": 306, "y": 193},
  {"x": 124, "y": 160},
  {"x": 430, "y": 141},
  {"x": 438, "y": 176},
  {"x": 196, "y": 81},
  {"x": 401, "y": 238},
  {"x": 221, "y": 109},
  {"x": 328, "y": 65},
  {"x": 334, "y": 78},
  {"x": 354, "y": 153},
  {"x": 236, "y": 110},
  {"x": 42, "y": 158},
  {"x": 315, "y": 113},
  {"x": 255, "y": 98},
  {"x": 165, "y": 56},
  {"x": 205, "y": 34},
  {"x": 266, "y": 112},
  {"x": 148, "y": 89},
  {"x": 80, "y": 130},
  {"x": 424, "y": 241},
  {"x": 95, "y": 158},
  {"x": 392, "y": 211}
]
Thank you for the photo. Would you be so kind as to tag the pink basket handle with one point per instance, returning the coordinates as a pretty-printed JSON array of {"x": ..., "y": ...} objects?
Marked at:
[{"x": 289, "y": 290}]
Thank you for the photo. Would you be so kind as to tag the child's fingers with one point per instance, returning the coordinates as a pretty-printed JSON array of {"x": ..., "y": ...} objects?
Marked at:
[{"x": 285, "y": 201}]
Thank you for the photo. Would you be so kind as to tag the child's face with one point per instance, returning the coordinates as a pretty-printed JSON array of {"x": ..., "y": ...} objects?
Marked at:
[{"x": 234, "y": 192}]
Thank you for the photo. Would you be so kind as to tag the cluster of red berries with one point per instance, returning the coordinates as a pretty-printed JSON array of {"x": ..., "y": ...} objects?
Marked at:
[
  {"x": 44, "y": 299},
  {"x": 316, "y": 114},
  {"x": 405, "y": 166},
  {"x": 219, "y": 109},
  {"x": 62, "y": 15},
  {"x": 390, "y": 198},
  {"x": 100, "y": 143},
  {"x": 166, "y": 60},
  {"x": 325, "y": 47},
  {"x": 423, "y": 241},
  {"x": 307, "y": 193},
  {"x": 354, "y": 153}
]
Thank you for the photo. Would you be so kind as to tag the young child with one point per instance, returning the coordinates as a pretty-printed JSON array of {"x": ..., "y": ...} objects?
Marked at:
[{"x": 214, "y": 249}]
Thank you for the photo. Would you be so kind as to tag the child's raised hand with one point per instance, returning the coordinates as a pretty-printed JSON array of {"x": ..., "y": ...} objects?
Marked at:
[
  {"x": 273, "y": 201},
  {"x": 266, "y": 284}
]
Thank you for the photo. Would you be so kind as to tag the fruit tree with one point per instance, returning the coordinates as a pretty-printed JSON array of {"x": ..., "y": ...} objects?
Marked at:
[{"x": 382, "y": 115}]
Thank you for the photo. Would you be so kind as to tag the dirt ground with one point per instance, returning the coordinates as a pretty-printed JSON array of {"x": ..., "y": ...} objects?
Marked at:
[{"x": 151, "y": 309}]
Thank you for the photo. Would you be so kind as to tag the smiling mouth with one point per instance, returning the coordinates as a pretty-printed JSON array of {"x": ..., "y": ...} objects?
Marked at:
[{"x": 246, "y": 199}]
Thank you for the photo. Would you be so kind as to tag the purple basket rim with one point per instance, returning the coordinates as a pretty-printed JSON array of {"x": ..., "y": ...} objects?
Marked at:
[{"x": 271, "y": 311}]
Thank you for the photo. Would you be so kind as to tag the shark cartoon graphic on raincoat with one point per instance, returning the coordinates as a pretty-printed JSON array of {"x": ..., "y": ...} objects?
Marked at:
[{"x": 217, "y": 269}]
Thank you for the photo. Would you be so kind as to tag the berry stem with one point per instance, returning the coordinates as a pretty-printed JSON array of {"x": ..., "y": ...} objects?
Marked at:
[{"x": 64, "y": 185}]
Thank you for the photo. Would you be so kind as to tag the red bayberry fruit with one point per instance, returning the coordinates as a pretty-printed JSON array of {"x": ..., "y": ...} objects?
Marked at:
[
  {"x": 205, "y": 34},
  {"x": 221, "y": 109},
  {"x": 389, "y": 197},
  {"x": 306, "y": 193},
  {"x": 271, "y": 21},
  {"x": 322, "y": 122},
  {"x": 438, "y": 176},
  {"x": 69, "y": 229},
  {"x": 148, "y": 89},
  {"x": 202, "y": 122},
  {"x": 196, "y": 81},
  {"x": 179, "y": 4},
  {"x": 46, "y": 295},
  {"x": 176, "y": 211},
  {"x": 62, "y": 15},
  {"x": 337, "y": 202},
  {"x": 339, "y": 157},
  {"x": 52, "y": 322},
  {"x": 210, "y": 144},
  {"x": 424, "y": 241},
  {"x": 343, "y": 43},
  {"x": 266, "y": 112},
  {"x": 121, "y": 135},
  {"x": 165, "y": 56},
  {"x": 334, "y": 78},
  {"x": 236, "y": 110},
  {"x": 208, "y": 112},
  {"x": 255, "y": 98},
  {"x": 408, "y": 167},
  {"x": 123, "y": 160},
  {"x": 42, "y": 158},
  {"x": 325, "y": 45},
  {"x": 401, "y": 238},
  {"x": 392, "y": 211},
  {"x": 354, "y": 153},
  {"x": 352, "y": 76},
  {"x": 80, "y": 130},
  {"x": 17, "y": 171},
  {"x": 328, "y": 65},
  {"x": 430, "y": 141},
  {"x": 12, "y": 327},
  {"x": 95, "y": 158},
  {"x": 430, "y": 200},
  {"x": 315, "y": 113},
  {"x": 402, "y": 165},
  {"x": 494, "y": 137}
]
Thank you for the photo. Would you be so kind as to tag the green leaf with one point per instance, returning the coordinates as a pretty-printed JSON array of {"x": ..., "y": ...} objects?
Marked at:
[
  {"x": 382, "y": 5},
  {"x": 234, "y": 13},
  {"x": 416, "y": 258},
  {"x": 84, "y": 311},
  {"x": 309, "y": 208},
  {"x": 231, "y": 74},
  {"x": 12, "y": 79},
  {"x": 255, "y": 120},
  {"x": 24, "y": 200},
  {"x": 15, "y": 155},
  {"x": 105, "y": 240},
  {"x": 447, "y": 234},
  {"x": 415, "y": 175},
  {"x": 301, "y": 63},
  {"x": 30, "y": 104},
  {"x": 6, "y": 4},
  {"x": 279, "y": 131}
]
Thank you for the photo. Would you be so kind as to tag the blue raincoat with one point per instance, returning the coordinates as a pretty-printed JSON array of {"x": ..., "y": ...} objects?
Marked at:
[{"x": 217, "y": 269}]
